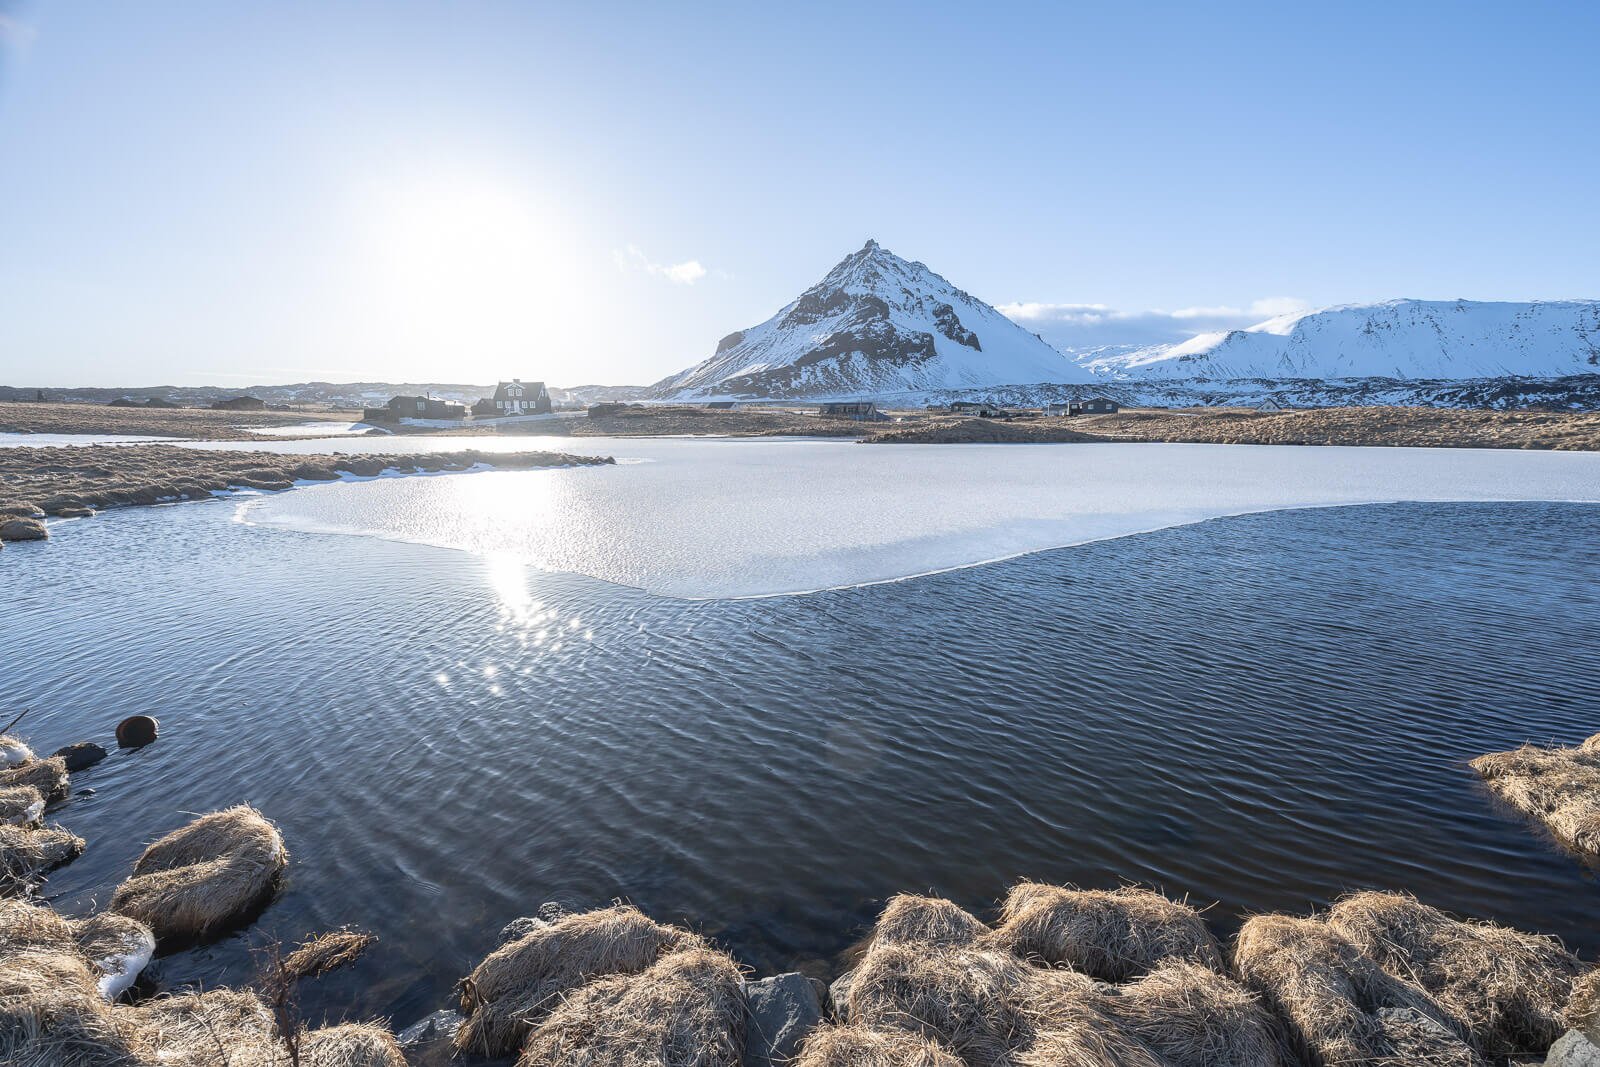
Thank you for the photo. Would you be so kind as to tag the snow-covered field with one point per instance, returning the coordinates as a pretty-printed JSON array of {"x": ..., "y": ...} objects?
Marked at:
[{"x": 712, "y": 519}]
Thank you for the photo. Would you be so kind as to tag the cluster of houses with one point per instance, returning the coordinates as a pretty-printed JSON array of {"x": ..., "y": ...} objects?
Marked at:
[
  {"x": 512, "y": 398},
  {"x": 1097, "y": 405}
]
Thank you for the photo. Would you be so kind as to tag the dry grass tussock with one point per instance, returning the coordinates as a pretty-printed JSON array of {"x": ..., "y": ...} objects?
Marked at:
[
  {"x": 523, "y": 980},
  {"x": 976, "y": 1002},
  {"x": 861, "y": 1046},
  {"x": 1583, "y": 1007},
  {"x": 20, "y": 805},
  {"x": 685, "y": 1010},
  {"x": 318, "y": 955},
  {"x": 1112, "y": 935},
  {"x": 48, "y": 776},
  {"x": 933, "y": 971},
  {"x": 1339, "y": 1005},
  {"x": 993, "y": 1010},
  {"x": 201, "y": 878},
  {"x": 55, "y": 1012},
  {"x": 1506, "y": 988},
  {"x": 908, "y": 919},
  {"x": 1558, "y": 786},
  {"x": 27, "y": 852}
]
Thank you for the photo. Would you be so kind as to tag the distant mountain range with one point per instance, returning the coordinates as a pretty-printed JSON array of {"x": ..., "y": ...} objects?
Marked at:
[
  {"x": 1405, "y": 339},
  {"x": 880, "y": 326}
]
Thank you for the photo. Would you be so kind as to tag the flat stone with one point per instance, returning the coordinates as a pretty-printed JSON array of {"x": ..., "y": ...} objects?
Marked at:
[
  {"x": 81, "y": 756},
  {"x": 779, "y": 1012},
  {"x": 548, "y": 913},
  {"x": 1572, "y": 1049},
  {"x": 439, "y": 1026},
  {"x": 23, "y": 530}
]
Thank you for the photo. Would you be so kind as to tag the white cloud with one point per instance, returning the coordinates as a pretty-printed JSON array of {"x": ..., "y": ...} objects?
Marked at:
[
  {"x": 1083, "y": 326},
  {"x": 686, "y": 273}
]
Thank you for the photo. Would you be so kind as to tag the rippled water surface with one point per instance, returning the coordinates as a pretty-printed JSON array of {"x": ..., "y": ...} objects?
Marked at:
[{"x": 1260, "y": 712}]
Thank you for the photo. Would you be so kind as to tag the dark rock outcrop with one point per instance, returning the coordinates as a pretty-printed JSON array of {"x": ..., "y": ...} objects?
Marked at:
[{"x": 779, "y": 1012}]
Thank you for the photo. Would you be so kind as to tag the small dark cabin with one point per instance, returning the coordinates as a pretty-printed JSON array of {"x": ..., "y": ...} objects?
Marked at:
[{"x": 860, "y": 410}]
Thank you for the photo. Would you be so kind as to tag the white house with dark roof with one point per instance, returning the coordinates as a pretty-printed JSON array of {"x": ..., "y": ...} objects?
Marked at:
[{"x": 517, "y": 397}]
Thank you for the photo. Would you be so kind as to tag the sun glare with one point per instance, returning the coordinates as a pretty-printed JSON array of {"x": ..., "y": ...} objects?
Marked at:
[{"x": 467, "y": 266}]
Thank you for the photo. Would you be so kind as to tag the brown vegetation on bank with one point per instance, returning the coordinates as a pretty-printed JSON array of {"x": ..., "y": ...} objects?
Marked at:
[
  {"x": 1558, "y": 786},
  {"x": 523, "y": 980},
  {"x": 1384, "y": 978},
  {"x": 82, "y": 479},
  {"x": 200, "y": 424},
  {"x": 685, "y": 1010},
  {"x": 1392, "y": 426},
  {"x": 991, "y": 998},
  {"x": 205, "y": 876},
  {"x": 1508, "y": 988},
  {"x": 1112, "y": 935},
  {"x": 862, "y": 1046}
]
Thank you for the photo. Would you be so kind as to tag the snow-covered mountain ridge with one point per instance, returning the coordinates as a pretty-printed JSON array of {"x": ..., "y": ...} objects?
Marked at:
[
  {"x": 875, "y": 324},
  {"x": 1403, "y": 339}
]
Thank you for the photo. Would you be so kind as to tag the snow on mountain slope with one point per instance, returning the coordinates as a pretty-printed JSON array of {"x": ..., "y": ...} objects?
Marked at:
[
  {"x": 1397, "y": 339},
  {"x": 876, "y": 324}
]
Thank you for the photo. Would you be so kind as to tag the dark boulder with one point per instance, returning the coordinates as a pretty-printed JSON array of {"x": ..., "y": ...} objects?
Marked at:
[
  {"x": 136, "y": 731},
  {"x": 81, "y": 756},
  {"x": 779, "y": 1013}
]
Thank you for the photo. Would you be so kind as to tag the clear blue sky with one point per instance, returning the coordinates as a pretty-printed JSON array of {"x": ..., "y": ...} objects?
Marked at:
[{"x": 234, "y": 193}]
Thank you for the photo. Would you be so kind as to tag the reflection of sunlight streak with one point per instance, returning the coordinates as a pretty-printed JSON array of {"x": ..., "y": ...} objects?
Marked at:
[{"x": 508, "y": 580}]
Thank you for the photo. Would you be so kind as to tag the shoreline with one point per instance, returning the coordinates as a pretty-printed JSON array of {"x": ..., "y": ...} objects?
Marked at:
[
  {"x": 78, "y": 481},
  {"x": 1050, "y": 974},
  {"x": 1357, "y": 426}
]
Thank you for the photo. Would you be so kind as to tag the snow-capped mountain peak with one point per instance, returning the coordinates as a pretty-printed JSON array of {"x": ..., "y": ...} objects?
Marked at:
[
  {"x": 1402, "y": 339},
  {"x": 874, "y": 324}
]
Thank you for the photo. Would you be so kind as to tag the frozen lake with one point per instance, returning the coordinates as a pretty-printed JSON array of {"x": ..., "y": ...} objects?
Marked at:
[{"x": 735, "y": 518}]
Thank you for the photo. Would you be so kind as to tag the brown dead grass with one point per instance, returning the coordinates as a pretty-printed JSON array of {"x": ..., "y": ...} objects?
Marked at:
[
  {"x": 523, "y": 980},
  {"x": 1393, "y": 426},
  {"x": 975, "y": 1002},
  {"x": 20, "y": 805},
  {"x": 1558, "y": 786},
  {"x": 201, "y": 878},
  {"x": 1583, "y": 1007},
  {"x": 351, "y": 1045},
  {"x": 1113, "y": 935},
  {"x": 861, "y": 1046},
  {"x": 1506, "y": 988},
  {"x": 48, "y": 776},
  {"x": 908, "y": 919},
  {"x": 685, "y": 1010},
  {"x": 28, "y": 852},
  {"x": 1338, "y": 1005},
  {"x": 316, "y": 956},
  {"x": 99, "y": 477}
]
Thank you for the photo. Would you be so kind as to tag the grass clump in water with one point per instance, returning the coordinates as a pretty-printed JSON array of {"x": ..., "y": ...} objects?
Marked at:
[{"x": 204, "y": 877}]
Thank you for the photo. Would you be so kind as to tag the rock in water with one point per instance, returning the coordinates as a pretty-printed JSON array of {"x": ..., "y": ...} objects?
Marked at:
[
  {"x": 136, "y": 731},
  {"x": 779, "y": 1013},
  {"x": 23, "y": 530},
  {"x": 81, "y": 756}
]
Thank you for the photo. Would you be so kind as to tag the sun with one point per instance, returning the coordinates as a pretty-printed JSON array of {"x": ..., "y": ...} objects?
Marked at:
[{"x": 468, "y": 270}]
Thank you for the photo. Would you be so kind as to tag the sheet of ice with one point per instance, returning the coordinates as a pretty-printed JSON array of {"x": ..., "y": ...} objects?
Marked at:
[
  {"x": 706, "y": 519},
  {"x": 311, "y": 429},
  {"x": 61, "y": 440}
]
